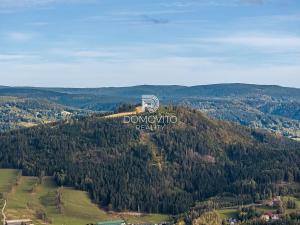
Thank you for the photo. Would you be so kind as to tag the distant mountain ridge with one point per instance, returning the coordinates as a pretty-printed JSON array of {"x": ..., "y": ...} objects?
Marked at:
[
  {"x": 270, "y": 107},
  {"x": 164, "y": 91},
  {"x": 178, "y": 90}
]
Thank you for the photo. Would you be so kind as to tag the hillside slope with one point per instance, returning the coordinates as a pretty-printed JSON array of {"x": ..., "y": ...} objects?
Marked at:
[
  {"x": 37, "y": 199},
  {"x": 18, "y": 112},
  {"x": 162, "y": 171}
]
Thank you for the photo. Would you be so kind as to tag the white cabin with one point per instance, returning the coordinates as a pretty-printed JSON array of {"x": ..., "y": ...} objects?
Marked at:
[{"x": 19, "y": 222}]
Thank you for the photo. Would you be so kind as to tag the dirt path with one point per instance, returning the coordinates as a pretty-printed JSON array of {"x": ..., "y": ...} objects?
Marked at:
[
  {"x": 3, "y": 214},
  {"x": 138, "y": 110},
  {"x": 117, "y": 115}
]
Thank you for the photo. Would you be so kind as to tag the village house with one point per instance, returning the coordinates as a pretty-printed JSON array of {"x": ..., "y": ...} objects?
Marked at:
[
  {"x": 274, "y": 202},
  {"x": 19, "y": 222},
  {"x": 269, "y": 216}
]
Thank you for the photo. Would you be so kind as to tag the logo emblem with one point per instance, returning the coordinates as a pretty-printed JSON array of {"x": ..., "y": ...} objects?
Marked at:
[{"x": 150, "y": 103}]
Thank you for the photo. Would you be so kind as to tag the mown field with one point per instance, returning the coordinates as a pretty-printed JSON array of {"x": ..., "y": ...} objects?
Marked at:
[
  {"x": 36, "y": 199},
  {"x": 8, "y": 178}
]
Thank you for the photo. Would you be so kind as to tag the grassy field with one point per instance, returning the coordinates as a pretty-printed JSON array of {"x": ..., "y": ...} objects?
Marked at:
[
  {"x": 227, "y": 213},
  {"x": 8, "y": 179},
  {"x": 31, "y": 199},
  {"x": 297, "y": 201}
]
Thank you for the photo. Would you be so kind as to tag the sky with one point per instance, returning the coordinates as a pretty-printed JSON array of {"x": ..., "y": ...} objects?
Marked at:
[{"x": 97, "y": 43}]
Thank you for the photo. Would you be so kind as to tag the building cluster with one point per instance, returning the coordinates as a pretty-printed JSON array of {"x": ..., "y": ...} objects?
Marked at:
[{"x": 269, "y": 216}]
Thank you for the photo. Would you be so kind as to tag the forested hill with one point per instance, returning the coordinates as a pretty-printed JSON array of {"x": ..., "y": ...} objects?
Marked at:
[{"x": 163, "y": 171}]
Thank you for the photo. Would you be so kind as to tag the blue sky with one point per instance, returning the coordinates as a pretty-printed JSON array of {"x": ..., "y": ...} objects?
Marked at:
[{"x": 95, "y": 43}]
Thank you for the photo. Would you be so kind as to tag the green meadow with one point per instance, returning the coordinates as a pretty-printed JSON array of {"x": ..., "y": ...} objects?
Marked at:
[{"x": 31, "y": 198}]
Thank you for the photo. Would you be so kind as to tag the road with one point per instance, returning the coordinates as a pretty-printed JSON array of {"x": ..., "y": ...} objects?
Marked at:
[
  {"x": 3, "y": 214},
  {"x": 138, "y": 110}
]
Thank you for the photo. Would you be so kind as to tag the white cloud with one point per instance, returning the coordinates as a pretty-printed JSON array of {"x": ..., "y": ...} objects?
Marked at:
[
  {"x": 93, "y": 54},
  {"x": 23, "y": 3},
  {"x": 83, "y": 54},
  {"x": 19, "y": 36},
  {"x": 273, "y": 18},
  {"x": 195, "y": 3},
  {"x": 7, "y": 57},
  {"x": 257, "y": 40},
  {"x": 259, "y": 2},
  {"x": 18, "y": 57},
  {"x": 33, "y": 3},
  {"x": 38, "y": 24}
]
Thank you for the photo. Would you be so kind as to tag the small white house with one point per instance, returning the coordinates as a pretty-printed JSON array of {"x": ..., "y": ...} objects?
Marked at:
[{"x": 19, "y": 222}]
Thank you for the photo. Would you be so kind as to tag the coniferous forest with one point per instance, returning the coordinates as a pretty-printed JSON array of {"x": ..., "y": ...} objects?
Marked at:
[{"x": 165, "y": 171}]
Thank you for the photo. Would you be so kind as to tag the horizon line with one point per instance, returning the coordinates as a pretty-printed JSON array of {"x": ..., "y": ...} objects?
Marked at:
[{"x": 140, "y": 85}]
